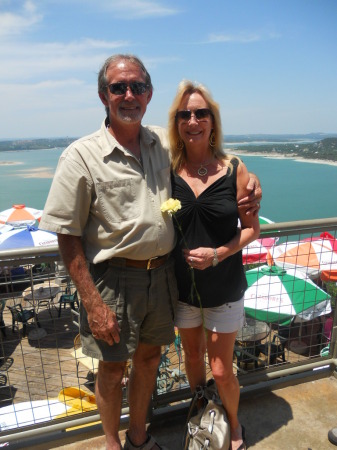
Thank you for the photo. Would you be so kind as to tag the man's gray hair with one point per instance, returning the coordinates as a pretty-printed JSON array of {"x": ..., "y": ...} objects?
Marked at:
[{"x": 114, "y": 59}]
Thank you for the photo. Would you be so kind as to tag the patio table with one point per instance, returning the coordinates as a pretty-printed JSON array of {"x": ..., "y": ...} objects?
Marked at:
[
  {"x": 40, "y": 292},
  {"x": 253, "y": 331},
  {"x": 250, "y": 335}
]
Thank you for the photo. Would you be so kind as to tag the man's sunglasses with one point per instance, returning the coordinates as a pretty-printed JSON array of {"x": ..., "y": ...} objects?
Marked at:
[
  {"x": 137, "y": 88},
  {"x": 199, "y": 114}
]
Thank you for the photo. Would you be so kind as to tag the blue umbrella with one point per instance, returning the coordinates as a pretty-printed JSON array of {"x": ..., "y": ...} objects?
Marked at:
[{"x": 27, "y": 237}]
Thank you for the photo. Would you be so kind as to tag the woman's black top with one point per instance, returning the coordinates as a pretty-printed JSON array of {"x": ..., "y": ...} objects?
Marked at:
[{"x": 209, "y": 220}]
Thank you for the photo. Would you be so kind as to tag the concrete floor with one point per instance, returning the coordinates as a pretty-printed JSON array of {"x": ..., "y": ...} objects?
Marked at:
[{"x": 296, "y": 417}]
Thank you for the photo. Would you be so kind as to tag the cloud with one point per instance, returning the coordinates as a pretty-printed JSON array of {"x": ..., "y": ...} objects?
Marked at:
[
  {"x": 241, "y": 38},
  {"x": 50, "y": 108},
  {"x": 27, "y": 60},
  {"x": 47, "y": 95},
  {"x": 17, "y": 23},
  {"x": 139, "y": 9}
]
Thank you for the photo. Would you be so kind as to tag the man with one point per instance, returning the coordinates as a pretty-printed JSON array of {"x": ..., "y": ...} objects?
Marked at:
[{"x": 104, "y": 204}]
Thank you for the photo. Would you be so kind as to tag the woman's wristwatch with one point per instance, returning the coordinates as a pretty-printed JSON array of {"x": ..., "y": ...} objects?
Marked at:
[{"x": 215, "y": 261}]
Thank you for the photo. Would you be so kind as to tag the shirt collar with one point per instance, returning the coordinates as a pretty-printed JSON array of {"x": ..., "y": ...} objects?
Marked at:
[{"x": 110, "y": 143}]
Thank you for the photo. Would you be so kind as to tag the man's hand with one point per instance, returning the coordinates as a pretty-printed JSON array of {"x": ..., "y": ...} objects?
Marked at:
[
  {"x": 103, "y": 324},
  {"x": 102, "y": 321},
  {"x": 251, "y": 203}
]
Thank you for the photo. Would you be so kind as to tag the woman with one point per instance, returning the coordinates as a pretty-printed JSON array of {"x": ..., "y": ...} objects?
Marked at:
[{"x": 209, "y": 184}]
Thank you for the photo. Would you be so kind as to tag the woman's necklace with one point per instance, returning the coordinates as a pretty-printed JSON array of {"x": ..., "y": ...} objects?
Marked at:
[{"x": 202, "y": 171}]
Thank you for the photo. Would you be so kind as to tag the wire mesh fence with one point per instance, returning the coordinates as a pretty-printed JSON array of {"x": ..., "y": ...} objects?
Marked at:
[{"x": 290, "y": 320}]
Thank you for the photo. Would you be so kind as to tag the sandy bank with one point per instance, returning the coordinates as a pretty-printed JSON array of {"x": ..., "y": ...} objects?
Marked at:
[
  {"x": 10, "y": 163},
  {"x": 280, "y": 156},
  {"x": 39, "y": 172}
]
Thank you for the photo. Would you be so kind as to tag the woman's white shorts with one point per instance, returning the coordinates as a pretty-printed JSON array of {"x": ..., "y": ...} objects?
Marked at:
[{"x": 227, "y": 318}]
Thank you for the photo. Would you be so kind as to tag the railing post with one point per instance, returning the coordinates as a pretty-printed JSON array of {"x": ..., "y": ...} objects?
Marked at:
[{"x": 333, "y": 349}]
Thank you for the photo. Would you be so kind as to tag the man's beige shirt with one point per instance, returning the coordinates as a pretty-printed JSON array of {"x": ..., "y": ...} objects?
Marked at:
[{"x": 101, "y": 192}]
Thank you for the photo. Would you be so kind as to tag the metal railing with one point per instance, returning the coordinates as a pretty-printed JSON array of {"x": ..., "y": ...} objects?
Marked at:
[{"x": 47, "y": 384}]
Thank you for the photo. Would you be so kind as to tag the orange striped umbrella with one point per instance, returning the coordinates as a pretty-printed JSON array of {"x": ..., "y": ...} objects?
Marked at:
[
  {"x": 20, "y": 215},
  {"x": 310, "y": 257}
]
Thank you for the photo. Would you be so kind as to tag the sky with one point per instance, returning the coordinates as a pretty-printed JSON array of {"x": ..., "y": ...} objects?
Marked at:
[{"x": 270, "y": 64}]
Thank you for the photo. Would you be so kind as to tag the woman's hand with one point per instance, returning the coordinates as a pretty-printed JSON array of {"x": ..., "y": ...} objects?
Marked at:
[{"x": 199, "y": 258}]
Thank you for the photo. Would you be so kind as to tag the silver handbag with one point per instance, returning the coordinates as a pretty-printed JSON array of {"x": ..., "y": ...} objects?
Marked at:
[{"x": 207, "y": 428}]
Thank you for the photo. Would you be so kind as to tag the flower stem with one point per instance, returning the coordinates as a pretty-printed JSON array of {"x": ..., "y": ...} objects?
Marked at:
[{"x": 194, "y": 290}]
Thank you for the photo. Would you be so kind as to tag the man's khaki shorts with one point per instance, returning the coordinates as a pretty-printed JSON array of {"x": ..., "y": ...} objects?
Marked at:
[{"x": 144, "y": 302}]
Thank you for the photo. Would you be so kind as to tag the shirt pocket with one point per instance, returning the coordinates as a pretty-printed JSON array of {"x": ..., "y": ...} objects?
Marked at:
[{"x": 117, "y": 200}]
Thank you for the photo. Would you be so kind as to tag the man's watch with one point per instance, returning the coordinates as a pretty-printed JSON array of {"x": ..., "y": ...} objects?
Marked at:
[{"x": 215, "y": 261}]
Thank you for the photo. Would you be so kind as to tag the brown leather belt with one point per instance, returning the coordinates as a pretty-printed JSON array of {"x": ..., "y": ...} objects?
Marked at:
[{"x": 148, "y": 264}]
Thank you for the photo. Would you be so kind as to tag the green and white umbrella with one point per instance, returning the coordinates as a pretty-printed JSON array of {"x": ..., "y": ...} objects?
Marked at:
[
  {"x": 276, "y": 295},
  {"x": 264, "y": 220}
]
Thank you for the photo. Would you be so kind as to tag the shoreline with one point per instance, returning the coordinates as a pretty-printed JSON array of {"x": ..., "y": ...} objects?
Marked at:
[
  {"x": 273, "y": 156},
  {"x": 34, "y": 172}
]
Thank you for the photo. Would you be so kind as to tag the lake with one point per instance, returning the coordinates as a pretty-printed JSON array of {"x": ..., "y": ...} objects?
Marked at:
[{"x": 292, "y": 190}]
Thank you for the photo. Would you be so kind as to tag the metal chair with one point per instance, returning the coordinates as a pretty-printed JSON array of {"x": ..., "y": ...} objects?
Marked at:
[
  {"x": 275, "y": 349},
  {"x": 68, "y": 298},
  {"x": 45, "y": 303},
  {"x": 2, "y": 322},
  {"x": 87, "y": 361},
  {"x": 20, "y": 315}
]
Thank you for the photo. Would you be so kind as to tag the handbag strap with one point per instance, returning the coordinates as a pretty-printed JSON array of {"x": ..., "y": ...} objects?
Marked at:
[
  {"x": 193, "y": 405},
  {"x": 193, "y": 410}
]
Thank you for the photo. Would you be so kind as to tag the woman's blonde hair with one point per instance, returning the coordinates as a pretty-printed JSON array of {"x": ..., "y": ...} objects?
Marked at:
[{"x": 178, "y": 154}]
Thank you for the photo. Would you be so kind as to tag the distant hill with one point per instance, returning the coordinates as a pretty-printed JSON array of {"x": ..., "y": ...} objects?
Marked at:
[
  {"x": 318, "y": 146},
  {"x": 35, "y": 144}
]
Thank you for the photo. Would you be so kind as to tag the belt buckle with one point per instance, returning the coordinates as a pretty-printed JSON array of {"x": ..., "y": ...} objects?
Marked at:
[{"x": 148, "y": 266}]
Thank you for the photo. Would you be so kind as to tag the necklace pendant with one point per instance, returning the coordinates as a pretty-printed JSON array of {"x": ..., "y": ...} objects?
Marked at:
[{"x": 202, "y": 171}]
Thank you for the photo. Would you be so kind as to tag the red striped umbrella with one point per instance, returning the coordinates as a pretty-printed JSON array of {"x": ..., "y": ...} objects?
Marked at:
[{"x": 257, "y": 251}]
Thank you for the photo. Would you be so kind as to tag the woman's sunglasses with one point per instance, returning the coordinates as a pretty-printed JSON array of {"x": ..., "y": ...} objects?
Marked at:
[
  {"x": 199, "y": 114},
  {"x": 137, "y": 88}
]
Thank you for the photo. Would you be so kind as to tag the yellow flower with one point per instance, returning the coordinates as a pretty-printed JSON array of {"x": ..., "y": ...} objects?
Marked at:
[{"x": 171, "y": 206}]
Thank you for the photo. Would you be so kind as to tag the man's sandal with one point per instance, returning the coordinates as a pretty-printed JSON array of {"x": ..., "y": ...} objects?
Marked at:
[{"x": 149, "y": 444}]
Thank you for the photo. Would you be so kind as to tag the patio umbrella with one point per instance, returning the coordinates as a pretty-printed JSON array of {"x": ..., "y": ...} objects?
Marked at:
[
  {"x": 4, "y": 228},
  {"x": 276, "y": 295},
  {"x": 257, "y": 251},
  {"x": 327, "y": 275},
  {"x": 20, "y": 215},
  {"x": 308, "y": 256},
  {"x": 327, "y": 236},
  {"x": 264, "y": 220},
  {"x": 30, "y": 413},
  {"x": 27, "y": 237}
]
